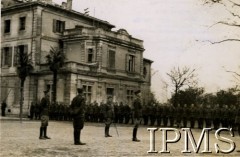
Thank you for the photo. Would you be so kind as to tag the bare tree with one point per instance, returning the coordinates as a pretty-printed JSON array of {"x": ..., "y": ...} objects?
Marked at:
[
  {"x": 233, "y": 8},
  {"x": 235, "y": 75},
  {"x": 181, "y": 77}
]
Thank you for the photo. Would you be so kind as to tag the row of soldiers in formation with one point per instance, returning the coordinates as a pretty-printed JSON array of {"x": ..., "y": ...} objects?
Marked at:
[{"x": 152, "y": 114}]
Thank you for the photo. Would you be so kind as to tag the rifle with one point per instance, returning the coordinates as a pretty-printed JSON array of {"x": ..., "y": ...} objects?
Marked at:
[{"x": 116, "y": 128}]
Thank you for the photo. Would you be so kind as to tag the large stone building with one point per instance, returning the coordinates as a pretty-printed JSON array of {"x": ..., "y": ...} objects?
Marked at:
[{"x": 102, "y": 61}]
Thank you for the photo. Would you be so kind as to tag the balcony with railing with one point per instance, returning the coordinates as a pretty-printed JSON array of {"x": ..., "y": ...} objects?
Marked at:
[{"x": 121, "y": 35}]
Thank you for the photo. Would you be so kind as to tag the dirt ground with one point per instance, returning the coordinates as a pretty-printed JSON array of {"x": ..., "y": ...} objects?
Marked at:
[{"x": 20, "y": 139}]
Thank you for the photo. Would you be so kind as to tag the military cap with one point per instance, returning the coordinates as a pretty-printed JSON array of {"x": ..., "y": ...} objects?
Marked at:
[{"x": 137, "y": 91}]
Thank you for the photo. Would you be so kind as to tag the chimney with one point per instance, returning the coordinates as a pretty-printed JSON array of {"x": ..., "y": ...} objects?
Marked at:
[
  {"x": 69, "y": 4},
  {"x": 64, "y": 5}
]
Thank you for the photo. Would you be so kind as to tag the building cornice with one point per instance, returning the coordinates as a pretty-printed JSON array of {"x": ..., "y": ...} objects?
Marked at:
[{"x": 28, "y": 5}]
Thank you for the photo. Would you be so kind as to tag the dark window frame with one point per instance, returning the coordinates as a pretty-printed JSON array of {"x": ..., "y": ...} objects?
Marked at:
[
  {"x": 111, "y": 59},
  {"x": 22, "y": 23},
  {"x": 131, "y": 63},
  {"x": 7, "y": 26},
  {"x": 87, "y": 91},
  {"x": 90, "y": 55}
]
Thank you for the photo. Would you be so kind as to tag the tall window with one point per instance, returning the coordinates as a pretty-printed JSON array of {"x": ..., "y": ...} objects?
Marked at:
[
  {"x": 6, "y": 56},
  {"x": 111, "y": 59},
  {"x": 90, "y": 55},
  {"x": 87, "y": 92},
  {"x": 22, "y": 23},
  {"x": 144, "y": 72},
  {"x": 129, "y": 96},
  {"x": 7, "y": 26},
  {"x": 130, "y": 63},
  {"x": 58, "y": 26},
  {"x": 110, "y": 92},
  {"x": 19, "y": 49}
]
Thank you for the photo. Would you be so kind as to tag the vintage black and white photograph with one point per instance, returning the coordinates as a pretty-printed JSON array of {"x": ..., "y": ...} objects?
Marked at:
[{"x": 83, "y": 78}]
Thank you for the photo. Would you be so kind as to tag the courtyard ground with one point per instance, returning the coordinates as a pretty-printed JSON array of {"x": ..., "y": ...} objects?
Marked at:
[{"x": 20, "y": 139}]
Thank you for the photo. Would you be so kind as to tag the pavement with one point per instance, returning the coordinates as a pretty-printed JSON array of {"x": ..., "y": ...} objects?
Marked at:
[{"x": 20, "y": 139}]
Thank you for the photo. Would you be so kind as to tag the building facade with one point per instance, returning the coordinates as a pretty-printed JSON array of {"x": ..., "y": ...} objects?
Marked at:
[{"x": 102, "y": 61}]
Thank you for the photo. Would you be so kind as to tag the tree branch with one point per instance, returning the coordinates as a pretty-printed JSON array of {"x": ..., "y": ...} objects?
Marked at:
[
  {"x": 226, "y": 23},
  {"x": 221, "y": 41},
  {"x": 234, "y": 3},
  {"x": 234, "y": 72}
]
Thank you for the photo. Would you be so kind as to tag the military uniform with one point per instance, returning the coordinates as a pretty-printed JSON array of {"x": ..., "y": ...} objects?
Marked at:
[
  {"x": 145, "y": 114},
  {"x": 77, "y": 109},
  {"x": 165, "y": 115},
  {"x": 185, "y": 115},
  {"x": 208, "y": 116},
  {"x": 193, "y": 114},
  {"x": 121, "y": 112},
  {"x": 159, "y": 114},
  {"x": 237, "y": 120},
  {"x": 44, "y": 105},
  {"x": 225, "y": 116},
  {"x": 216, "y": 117},
  {"x": 108, "y": 115},
  {"x": 200, "y": 116},
  {"x": 171, "y": 113},
  {"x": 152, "y": 116},
  {"x": 101, "y": 114},
  {"x": 178, "y": 114},
  {"x": 32, "y": 110},
  {"x": 137, "y": 114},
  {"x": 3, "y": 108},
  {"x": 127, "y": 112}
]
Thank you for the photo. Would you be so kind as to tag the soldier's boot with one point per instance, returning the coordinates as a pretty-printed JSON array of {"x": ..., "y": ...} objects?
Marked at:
[
  {"x": 45, "y": 133},
  {"x": 41, "y": 134},
  {"x": 107, "y": 131},
  {"x": 135, "y": 135},
  {"x": 77, "y": 134},
  {"x": 77, "y": 141}
]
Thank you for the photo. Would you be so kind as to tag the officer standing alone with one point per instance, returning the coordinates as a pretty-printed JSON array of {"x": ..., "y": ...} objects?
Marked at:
[
  {"x": 45, "y": 102},
  {"x": 108, "y": 115},
  {"x": 137, "y": 114},
  {"x": 77, "y": 108}
]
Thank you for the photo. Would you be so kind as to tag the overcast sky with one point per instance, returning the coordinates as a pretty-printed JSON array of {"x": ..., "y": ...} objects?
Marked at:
[{"x": 174, "y": 32}]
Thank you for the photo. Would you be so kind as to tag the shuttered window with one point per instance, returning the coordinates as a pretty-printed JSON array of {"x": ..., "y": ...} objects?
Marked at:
[
  {"x": 87, "y": 90},
  {"x": 130, "y": 63},
  {"x": 6, "y": 56},
  {"x": 58, "y": 26},
  {"x": 129, "y": 96},
  {"x": 90, "y": 55},
  {"x": 19, "y": 49},
  {"x": 111, "y": 59}
]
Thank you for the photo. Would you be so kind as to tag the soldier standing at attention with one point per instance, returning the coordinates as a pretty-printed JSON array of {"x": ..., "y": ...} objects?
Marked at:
[
  {"x": 78, "y": 106},
  {"x": 237, "y": 120},
  {"x": 3, "y": 107},
  {"x": 44, "y": 112},
  {"x": 108, "y": 115},
  {"x": 137, "y": 114},
  {"x": 193, "y": 114}
]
